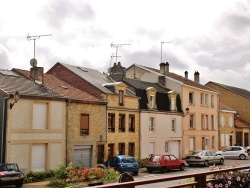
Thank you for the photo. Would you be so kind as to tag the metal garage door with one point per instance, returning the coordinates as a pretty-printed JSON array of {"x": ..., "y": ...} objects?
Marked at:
[
  {"x": 175, "y": 148},
  {"x": 82, "y": 156}
]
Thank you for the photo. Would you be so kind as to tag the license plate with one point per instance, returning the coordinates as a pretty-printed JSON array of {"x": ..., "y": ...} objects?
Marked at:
[
  {"x": 15, "y": 177},
  {"x": 130, "y": 165}
]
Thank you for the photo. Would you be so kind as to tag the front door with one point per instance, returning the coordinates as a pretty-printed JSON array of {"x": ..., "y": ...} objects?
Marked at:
[
  {"x": 246, "y": 139},
  {"x": 100, "y": 154}
]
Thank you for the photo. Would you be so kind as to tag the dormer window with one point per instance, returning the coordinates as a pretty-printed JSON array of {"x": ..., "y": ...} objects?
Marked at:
[
  {"x": 172, "y": 98},
  {"x": 151, "y": 92},
  {"x": 121, "y": 97}
]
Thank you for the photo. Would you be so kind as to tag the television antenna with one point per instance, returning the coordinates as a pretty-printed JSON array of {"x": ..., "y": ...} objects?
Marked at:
[
  {"x": 34, "y": 39},
  {"x": 117, "y": 46}
]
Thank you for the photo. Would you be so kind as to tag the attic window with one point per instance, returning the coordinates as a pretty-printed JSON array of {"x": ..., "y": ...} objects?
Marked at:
[
  {"x": 83, "y": 69},
  {"x": 64, "y": 87},
  {"x": 121, "y": 97}
]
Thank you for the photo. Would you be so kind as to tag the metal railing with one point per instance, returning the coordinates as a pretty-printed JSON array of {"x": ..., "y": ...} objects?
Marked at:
[{"x": 199, "y": 179}]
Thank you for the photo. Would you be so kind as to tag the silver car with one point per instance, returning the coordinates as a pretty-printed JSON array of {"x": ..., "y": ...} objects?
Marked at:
[
  {"x": 205, "y": 158},
  {"x": 234, "y": 152}
]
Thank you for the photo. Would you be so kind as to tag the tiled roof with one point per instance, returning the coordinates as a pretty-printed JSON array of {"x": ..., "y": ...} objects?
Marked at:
[
  {"x": 62, "y": 87},
  {"x": 227, "y": 108},
  {"x": 239, "y": 123},
  {"x": 238, "y": 91},
  {"x": 144, "y": 85},
  {"x": 179, "y": 78},
  {"x": 10, "y": 82}
]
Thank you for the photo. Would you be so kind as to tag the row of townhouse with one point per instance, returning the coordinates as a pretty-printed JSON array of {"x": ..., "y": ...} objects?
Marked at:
[{"x": 78, "y": 115}]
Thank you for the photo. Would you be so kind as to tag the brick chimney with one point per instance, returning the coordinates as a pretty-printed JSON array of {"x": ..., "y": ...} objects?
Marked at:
[
  {"x": 37, "y": 74},
  {"x": 166, "y": 68},
  {"x": 186, "y": 74},
  {"x": 197, "y": 76}
]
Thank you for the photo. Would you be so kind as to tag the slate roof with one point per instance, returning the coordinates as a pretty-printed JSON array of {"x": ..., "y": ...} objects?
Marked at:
[
  {"x": 179, "y": 78},
  {"x": 10, "y": 82},
  {"x": 144, "y": 85},
  {"x": 62, "y": 87},
  {"x": 96, "y": 78},
  {"x": 238, "y": 91}
]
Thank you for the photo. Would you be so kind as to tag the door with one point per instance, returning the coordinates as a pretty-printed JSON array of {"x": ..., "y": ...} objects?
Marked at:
[
  {"x": 82, "y": 156},
  {"x": 245, "y": 139},
  {"x": 175, "y": 148},
  {"x": 100, "y": 154}
]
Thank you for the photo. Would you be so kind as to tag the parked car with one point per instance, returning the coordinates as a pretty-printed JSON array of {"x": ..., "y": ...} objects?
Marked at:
[
  {"x": 205, "y": 158},
  {"x": 234, "y": 152},
  {"x": 164, "y": 162},
  {"x": 123, "y": 163},
  {"x": 11, "y": 175},
  {"x": 248, "y": 149}
]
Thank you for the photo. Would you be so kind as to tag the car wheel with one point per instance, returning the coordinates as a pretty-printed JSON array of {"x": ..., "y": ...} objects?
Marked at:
[
  {"x": 163, "y": 169},
  {"x": 19, "y": 184},
  {"x": 135, "y": 173},
  {"x": 149, "y": 170},
  {"x": 221, "y": 161},
  {"x": 242, "y": 157},
  {"x": 182, "y": 167},
  {"x": 206, "y": 163}
]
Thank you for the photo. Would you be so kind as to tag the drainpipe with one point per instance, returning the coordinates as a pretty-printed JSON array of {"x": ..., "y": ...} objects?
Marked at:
[
  {"x": 66, "y": 129},
  {"x": 3, "y": 130}
]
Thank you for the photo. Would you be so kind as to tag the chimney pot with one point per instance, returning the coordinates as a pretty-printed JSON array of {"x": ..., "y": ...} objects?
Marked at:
[
  {"x": 197, "y": 76},
  {"x": 186, "y": 74}
]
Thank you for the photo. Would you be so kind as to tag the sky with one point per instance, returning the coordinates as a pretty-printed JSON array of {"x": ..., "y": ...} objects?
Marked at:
[{"x": 208, "y": 36}]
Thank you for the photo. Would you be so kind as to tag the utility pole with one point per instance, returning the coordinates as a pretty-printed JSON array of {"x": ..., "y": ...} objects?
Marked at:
[
  {"x": 117, "y": 46},
  {"x": 34, "y": 39},
  {"x": 161, "y": 48}
]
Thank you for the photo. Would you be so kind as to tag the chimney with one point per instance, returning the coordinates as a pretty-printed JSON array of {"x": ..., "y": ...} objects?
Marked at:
[
  {"x": 37, "y": 74},
  {"x": 166, "y": 68},
  {"x": 197, "y": 76},
  {"x": 162, "y": 68},
  {"x": 161, "y": 80},
  {"x": 119, "y": 63},
  {"x": 186, "y": 74}
]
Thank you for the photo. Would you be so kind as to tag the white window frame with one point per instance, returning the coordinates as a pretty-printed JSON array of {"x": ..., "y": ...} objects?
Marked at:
[
  {"x": 151, "y": 124},
  {"x": 191, "y": 98},
  {"x": 191, "y": 143},
  {"x": 166, "y": 146},
  {"x": 40, "y": 115}
]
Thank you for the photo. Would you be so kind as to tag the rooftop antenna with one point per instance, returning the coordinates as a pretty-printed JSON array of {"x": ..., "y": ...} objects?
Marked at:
[
  {"x": 34, "y": 39},
  {"x": 117, "y": 46}
]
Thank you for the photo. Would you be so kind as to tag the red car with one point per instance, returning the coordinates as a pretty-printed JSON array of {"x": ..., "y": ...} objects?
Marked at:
[{"x": 164, "y": 162}]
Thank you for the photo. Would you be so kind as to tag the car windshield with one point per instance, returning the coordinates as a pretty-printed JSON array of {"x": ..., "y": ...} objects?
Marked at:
[
  {"x": 128, "y": 160},
  {"x": 197, "y": 153},
  {"x": 155, "y": 158}
]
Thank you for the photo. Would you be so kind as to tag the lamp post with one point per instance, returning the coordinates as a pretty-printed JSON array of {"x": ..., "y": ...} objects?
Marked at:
[
  {"x": 161, "y": 48},
  {"x": 16, "y": 97}
]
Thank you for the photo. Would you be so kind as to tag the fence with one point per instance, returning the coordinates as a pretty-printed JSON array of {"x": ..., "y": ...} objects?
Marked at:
[{"x": 200, "y": 179}]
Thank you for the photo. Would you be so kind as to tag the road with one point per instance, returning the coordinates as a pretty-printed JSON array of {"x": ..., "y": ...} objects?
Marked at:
[{"x": 145, "y": 175}]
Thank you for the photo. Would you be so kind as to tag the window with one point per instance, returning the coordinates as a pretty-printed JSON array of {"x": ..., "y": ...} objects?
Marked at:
[
  {"x": 40, "y": 115},
  {"x": 166, "y": 147},
  {"x": 213, "y": 141},
  {"x": 131, "y": 149},
  {"x": 191, "y": 121},
  {"x": 121, "y": 97},
  {"x": 121, "y": 147},
  {"x": 206, "y": 99},
  {"x": 204, "y": 121},
  {"x": 212, "y": 122},
  {"x": 38, "y": 162},
  {"x": 151, "y": 101},
  {"x": 191, "y": 97},
  {"x": 212, "y": 100},
  {"x": 173, "y": 127},
  {"x": 84, "y": 124},
  {"x": 151, "y": 124},
  {"x": 222, "y": 121},
  {"x": 231, "y": 121},
  {"x": 110, "y": 150},
  {"x": 202, "y": 99},
  {"x": 111, "y": 122},
  {"x": 191, "y": 143},
  {"x": 121, "y": 123},
  {"x": 131, "y": 123}
]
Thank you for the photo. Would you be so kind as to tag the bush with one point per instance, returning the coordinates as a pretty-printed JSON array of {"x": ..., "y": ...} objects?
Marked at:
[
  {"x": 142, "y": 162},
  {"x": 38, "y": 176}
]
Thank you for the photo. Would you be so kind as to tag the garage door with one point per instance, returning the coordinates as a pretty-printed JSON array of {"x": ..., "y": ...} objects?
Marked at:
[
  {"x": 175, "y": 148},
  {"x": 82, "y": 156}
]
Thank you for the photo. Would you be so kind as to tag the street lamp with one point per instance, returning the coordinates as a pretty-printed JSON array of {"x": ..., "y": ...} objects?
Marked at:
[
  {"x": 161, "y": 49},
  {"x": 16, "y": 98},
  {"x": 187, "y": 112}
]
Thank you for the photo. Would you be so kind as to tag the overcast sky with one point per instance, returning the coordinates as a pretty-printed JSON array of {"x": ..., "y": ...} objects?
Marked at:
[{"x": 209, "y": 36}]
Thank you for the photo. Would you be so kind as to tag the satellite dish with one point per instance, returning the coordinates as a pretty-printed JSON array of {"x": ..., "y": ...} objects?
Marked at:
[{"x": 33, "y": 62}]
